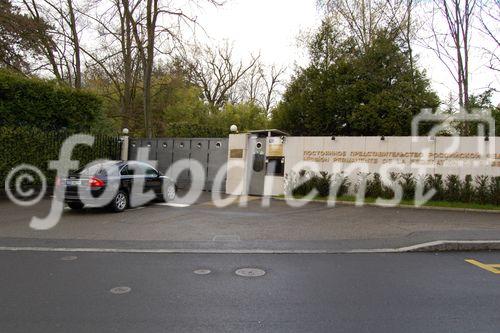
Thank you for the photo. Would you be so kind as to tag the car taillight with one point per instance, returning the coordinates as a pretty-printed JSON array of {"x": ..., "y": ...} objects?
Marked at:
[{"x": 96, "y": 182}]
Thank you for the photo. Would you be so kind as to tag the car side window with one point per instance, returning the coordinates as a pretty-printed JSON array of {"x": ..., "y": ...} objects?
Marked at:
[
  {"x": 150, "y": 171},
  {"x": 124, "y": 171},
  {"x": 140, "y": 169},
  {"x": 135, "y": 169}
]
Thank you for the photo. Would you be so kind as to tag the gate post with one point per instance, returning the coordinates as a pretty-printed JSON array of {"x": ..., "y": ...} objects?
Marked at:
[{"x": 124, "y": 152}]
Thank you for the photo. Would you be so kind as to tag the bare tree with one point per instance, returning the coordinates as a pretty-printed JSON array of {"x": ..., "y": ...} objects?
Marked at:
[
  {"x": 156, "y": 28},
  {"x": 271, "y": 84},
  {"x": 114, "y": 56},
  {"x": 489, "y": 25},
  {"x": 61, "y": 44},
  {"x": 216, "y": 72},
  {"x": 259, "y": 86},
  {"x": 250, "y": 88},
  {"x": 451, "y": 40},
  {"x": 363, "y": 19}
]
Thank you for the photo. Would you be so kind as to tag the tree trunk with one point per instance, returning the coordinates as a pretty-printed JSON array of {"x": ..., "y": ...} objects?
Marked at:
[{"x": 76, "y": 46}]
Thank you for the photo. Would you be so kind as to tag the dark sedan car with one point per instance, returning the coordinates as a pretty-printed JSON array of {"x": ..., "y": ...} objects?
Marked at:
[{"x": 110, "y": 184}]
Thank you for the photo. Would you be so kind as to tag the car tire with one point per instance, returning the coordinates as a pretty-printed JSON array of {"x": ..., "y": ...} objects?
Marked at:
[
  {"x": 119, "y": 202},
  {"x": 75, "y": 205},
  {"x": 169, "y": 194}
]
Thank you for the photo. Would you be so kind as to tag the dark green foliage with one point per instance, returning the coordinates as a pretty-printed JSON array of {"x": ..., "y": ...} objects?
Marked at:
[
  {"x": 495, "y": 190},
  {"x": 37, "y": 147},
  {"x": 467, "y": 192},
  {"x": 435, "y": 182},
  {"x": 408, "y": 183},
  {"x": 348, "y": 91},
  {"x": 340, "y": 184},
  {"x": 304, "y": 184},
  {"x": 195, "y": 130},
  {"x": 374, "y": 186},
  {"x": 21, "y": 37},
  {"x": 453, "y": 188},
  {"x": 323, "y": 182},
  {"x": 482, "y": 189},
  {"x": 387, "y": 192},
  {"x": 48, "y": 106}
]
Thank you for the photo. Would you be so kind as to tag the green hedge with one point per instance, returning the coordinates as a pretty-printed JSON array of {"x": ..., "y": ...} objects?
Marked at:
[
  {"x": 189, "y": 130},
  {"x": 480, "y": 189},
  {"x": 34, "y": 146},
  {"x": 46, "y": 105}
]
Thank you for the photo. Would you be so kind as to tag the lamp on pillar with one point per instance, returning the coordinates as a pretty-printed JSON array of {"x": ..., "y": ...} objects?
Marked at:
[
  {"x": 234, "y": 129},
  {"x": 124, "y": 150}
]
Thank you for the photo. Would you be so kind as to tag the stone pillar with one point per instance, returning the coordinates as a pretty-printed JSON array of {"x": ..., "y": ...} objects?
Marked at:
[{"x": 125, "y": 141}]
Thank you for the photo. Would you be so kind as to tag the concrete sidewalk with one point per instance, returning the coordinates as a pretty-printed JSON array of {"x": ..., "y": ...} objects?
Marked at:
[{"x": 314, "y": 227}]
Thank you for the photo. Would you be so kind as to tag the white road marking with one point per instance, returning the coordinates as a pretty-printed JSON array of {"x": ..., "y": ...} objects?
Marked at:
[
  {"x": 172, "y": 204},
  {"x": 239, "y": 251}
]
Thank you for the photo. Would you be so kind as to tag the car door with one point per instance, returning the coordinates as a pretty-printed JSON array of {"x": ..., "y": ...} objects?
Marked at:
[
  {"x": 150, "y": 175},
  {"x": 152, "y": 179}
]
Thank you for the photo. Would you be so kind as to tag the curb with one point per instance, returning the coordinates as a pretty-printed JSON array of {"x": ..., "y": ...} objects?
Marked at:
[
  {"x": 436, "y": 246},
  {"x": 372, "y": 204},
  {"x": 449, "y": 246}
]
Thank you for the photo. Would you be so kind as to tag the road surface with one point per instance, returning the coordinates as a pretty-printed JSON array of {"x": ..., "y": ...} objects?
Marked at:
[{"x": 408, "y": 292}]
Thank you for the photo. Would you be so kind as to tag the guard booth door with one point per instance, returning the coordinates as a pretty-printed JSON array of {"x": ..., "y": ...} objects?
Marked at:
[{"x": 257, "y": 147}]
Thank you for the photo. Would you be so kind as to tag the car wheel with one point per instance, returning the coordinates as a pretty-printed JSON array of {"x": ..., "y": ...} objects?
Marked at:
[
  {"x": 75, "y": 205},
  {"x": 119, "y": 202},
  {"x": 169, "y": 194}
]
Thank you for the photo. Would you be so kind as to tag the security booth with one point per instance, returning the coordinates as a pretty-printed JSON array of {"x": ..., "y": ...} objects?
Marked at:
[{"x": 256, "y": 162}]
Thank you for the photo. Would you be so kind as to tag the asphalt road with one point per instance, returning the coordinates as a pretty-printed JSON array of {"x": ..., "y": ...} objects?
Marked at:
[
  {"x": 411, "y": 292},
  {"x": 248, "y": 227}
]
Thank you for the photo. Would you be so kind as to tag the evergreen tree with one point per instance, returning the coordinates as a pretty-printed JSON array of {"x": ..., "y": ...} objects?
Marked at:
[{"x": 351, "y": 91}]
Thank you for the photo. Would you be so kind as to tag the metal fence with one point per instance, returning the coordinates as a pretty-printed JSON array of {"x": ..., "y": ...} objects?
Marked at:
[{"x": 211, "y": 153}]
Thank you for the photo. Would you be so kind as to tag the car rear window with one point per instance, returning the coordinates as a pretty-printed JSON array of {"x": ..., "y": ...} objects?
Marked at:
[{"x": 98, "y": 168}]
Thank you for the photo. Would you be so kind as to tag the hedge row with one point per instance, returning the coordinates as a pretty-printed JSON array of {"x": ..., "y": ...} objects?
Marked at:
[
  {"x": 190, "y": 130},
  {"x": 33, "y": 146},
  {"x": 44, "y": 104},
  {"x": 479, "y": 189}
]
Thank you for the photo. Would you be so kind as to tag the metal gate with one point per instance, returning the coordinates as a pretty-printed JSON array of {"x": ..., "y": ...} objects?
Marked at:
[{"x": 211, "y": 153}]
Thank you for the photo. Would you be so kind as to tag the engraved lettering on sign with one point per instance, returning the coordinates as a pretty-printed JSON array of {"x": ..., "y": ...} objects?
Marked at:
[{"x": 236, "y": 153}]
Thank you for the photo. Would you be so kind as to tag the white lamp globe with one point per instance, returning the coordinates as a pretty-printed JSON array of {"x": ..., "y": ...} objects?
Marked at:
[
  {"x": 125, "y": 131},
  {"x": 233, "y": 128}
]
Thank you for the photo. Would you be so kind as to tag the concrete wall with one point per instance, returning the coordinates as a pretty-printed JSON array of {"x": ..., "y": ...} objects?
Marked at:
[{"x": 470, "y": 156}]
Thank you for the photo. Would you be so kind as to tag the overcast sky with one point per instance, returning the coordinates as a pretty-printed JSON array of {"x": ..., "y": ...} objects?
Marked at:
[{"x": 271, "y": 27}]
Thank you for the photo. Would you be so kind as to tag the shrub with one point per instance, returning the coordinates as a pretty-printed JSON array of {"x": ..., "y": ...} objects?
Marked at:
[
  {"x": 408, "y": 183},
  {"x": 322, "y": 183},
  {"x": 30, "y": 102},
  {"x": 482, "y": 192},
  {"x": 387, "y": 192},
  {"x": 453, "y": 188},
  {"x": 495, "y": 190},
  {"x": 467, "y": 192},
  {"x": 435, "y": 182},
  {"x": 304, "y": 183},
  {"x": 341, "y": 184},
  {"x": 374, "y": 186},
  {"x": 37, "y": 147}
]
